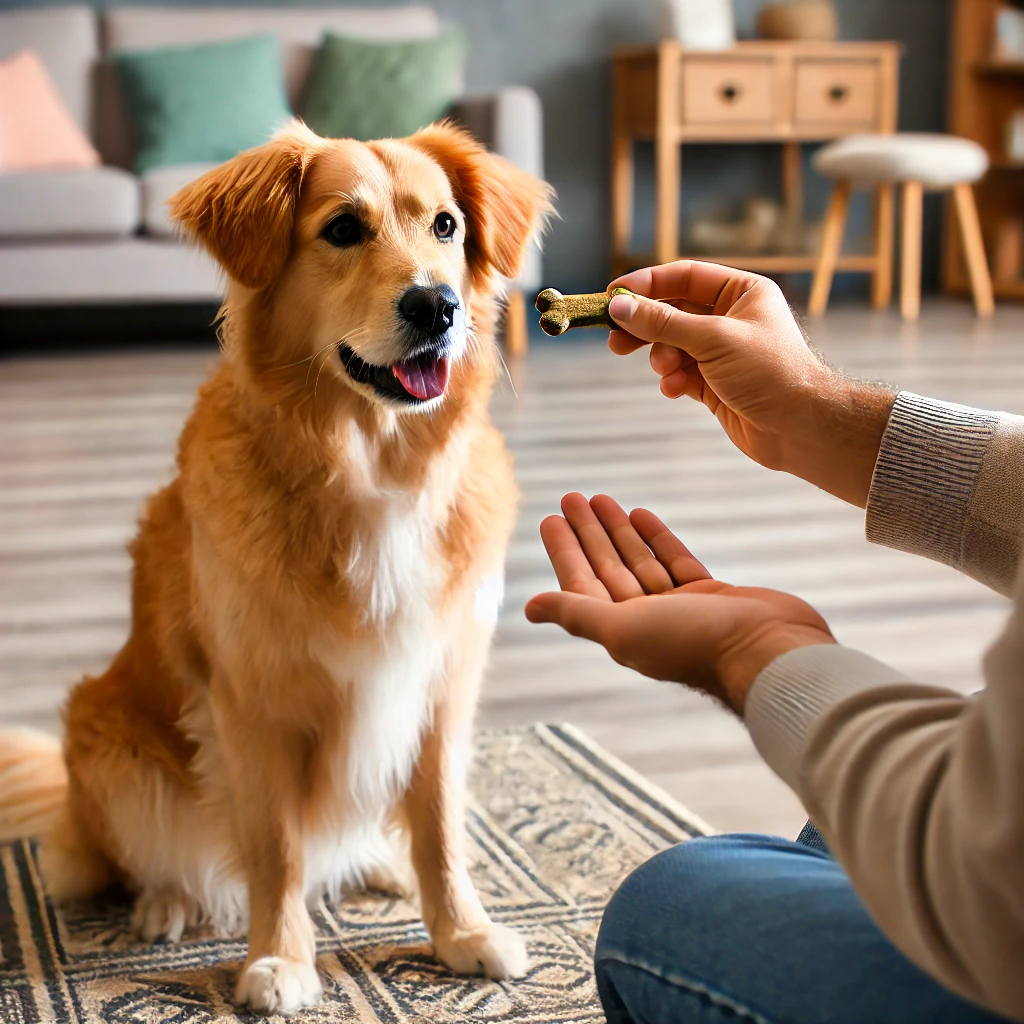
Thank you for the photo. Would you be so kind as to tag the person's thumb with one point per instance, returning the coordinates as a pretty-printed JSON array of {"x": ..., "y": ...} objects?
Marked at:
[
  {"x": 588, "y": 617},
  {"x": 652, "y": 321}
]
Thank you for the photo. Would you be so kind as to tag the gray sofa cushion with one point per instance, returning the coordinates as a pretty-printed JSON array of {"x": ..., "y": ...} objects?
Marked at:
[
  {"x": 66, "y": 40},
  {"x": 116, "y": 270},
  {"x": 98, "y": 202},
  {"x": 158, "y": 186}
]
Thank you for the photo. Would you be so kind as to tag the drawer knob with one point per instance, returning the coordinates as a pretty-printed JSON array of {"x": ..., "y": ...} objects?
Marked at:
[
  {"x": 730, "y": 92},
  {"x": 838, "y": 93}
]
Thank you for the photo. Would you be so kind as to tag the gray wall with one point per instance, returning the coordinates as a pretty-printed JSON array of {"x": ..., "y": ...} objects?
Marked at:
[{"x": 562, "y": 47}]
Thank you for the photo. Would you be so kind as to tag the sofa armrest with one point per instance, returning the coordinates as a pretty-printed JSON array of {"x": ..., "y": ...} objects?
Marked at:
[{"x": 510, "y": 123}]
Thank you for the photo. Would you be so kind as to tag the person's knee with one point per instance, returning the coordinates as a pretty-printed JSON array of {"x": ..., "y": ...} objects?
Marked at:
[
  {"x": 693, "y": 882},
  {"x": 659, "y": 925}
]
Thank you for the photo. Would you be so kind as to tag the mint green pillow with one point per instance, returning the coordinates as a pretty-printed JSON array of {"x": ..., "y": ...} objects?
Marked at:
[
  {"x": 362, "y": 90},
  {"x": 202, "y": 104}
]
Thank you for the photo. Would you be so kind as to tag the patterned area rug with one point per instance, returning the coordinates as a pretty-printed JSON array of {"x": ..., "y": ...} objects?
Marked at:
[{"x": 554, "y": 825}]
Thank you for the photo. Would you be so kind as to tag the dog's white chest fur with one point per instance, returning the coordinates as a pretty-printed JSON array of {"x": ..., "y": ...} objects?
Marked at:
[{"x": 387, "y": 679}]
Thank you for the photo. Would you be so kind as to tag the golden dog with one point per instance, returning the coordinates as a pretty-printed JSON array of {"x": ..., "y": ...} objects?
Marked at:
[{"x": 314, "y": 594}]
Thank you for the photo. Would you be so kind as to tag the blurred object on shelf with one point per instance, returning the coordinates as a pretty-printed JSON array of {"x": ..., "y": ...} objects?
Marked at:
[
  {"x": 1009, "y": 37},
  {"x": 699, "y": 24},
  {"x": 1014, "y": 139},
  {"x": 799, "y": 19},
  {"x": 766, "y": 228}
]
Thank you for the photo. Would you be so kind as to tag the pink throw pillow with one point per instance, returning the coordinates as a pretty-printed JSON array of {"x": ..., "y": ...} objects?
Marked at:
[{"x": 36, "y": 130}]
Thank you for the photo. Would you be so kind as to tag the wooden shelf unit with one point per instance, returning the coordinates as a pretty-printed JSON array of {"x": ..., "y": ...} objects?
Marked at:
[
  {"x": 985, "y": 90},
  {"x": 783, "y": 92}
]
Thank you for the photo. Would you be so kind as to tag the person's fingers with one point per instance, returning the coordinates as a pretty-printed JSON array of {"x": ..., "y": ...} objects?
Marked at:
[
  {"x": 646, "y": 319},
  {"x": 673, "y": 385},
  {"x": 573, "y": 571},
  {"x": 635, "y": 554},
  {"x": 622, "y": 344},
  {"x": 673, "y": 554},
  {"x": 706, "y": 284},
  {"x": 620, "y": 583},
  {"x": 665, "y": 359},
  {"x": 576, "y": 614}
]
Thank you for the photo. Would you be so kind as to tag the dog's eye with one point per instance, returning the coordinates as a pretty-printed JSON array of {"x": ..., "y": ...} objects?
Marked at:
[
  {"x": 444, "y": 227},
  {"x": 343, "y": 231}
]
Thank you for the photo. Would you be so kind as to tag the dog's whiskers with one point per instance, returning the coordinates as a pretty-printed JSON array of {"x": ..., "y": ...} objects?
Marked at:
[
  {"x": 330, "y": 348},
  {"x": 333, "y": 347},
  {"x": 508, "y": 373}
]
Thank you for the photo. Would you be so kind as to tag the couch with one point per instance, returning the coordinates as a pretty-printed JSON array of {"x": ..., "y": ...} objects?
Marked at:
[{"x": 101, "y": 236}]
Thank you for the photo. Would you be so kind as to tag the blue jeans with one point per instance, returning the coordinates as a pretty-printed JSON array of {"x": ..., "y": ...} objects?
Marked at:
[{"x": 750, "y": 928}]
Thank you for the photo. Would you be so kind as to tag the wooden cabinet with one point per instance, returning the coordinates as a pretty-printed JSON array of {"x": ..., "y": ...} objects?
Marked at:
[
  {"x": 755, "y": 92},
  {"x": 985, "y": 91}
]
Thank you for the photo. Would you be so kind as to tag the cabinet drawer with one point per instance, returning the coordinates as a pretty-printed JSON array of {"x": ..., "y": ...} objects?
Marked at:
[
  {"x": 728, "y": 92},
  {"x": 842, "y": 94}
]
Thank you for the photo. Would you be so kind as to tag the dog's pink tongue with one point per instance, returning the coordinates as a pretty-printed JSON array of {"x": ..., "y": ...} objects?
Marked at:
[{"x": 425, "y": 378}]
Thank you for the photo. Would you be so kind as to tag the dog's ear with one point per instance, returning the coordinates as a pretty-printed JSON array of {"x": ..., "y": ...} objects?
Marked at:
[
  {"x": 505, "y": 206},
  {"x": 242, "y": 212}
]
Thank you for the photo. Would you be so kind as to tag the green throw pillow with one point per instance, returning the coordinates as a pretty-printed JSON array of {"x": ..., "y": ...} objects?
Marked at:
[
  {"x": 202, "y": 104},
  {"x": 363, "y": 90}
]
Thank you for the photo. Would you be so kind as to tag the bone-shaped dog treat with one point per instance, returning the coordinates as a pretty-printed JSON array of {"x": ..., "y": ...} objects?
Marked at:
[{"x": 559, "y": 313}]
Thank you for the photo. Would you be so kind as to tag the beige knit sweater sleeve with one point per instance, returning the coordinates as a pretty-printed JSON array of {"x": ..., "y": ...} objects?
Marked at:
[{"x": 919, "y": 791}]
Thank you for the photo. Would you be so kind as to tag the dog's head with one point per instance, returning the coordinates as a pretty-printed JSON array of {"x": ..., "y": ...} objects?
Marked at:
[{"x": 361, "y": 260}]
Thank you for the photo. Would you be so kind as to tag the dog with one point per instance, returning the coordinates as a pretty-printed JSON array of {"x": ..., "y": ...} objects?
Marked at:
[{"x": 314, "y": 594}]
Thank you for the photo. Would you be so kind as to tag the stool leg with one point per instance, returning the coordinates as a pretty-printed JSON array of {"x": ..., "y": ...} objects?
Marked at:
[
  {"x": 910, "y": 276},
  {"x": 881, "y": 280},
  {"x": 974, "y": 249},
  {"x": 831, "y": 246}
]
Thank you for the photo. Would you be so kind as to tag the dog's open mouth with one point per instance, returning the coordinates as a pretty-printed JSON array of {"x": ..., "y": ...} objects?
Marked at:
[{"x": 419, "y": 379}]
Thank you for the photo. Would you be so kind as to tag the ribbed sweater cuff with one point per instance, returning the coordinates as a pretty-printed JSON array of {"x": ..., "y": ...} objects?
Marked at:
[
  {"x": 927, "y": 469},
  {"x": 791, "y": 695}
]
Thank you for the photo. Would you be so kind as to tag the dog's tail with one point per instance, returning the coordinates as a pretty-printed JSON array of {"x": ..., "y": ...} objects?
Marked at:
[
  {"x": 33, "y": 783},
  {"x": 34, "y": 805}
]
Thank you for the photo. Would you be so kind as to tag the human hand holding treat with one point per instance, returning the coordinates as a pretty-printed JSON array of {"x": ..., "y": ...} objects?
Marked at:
[
  {"x": 728, "y": 339},
  {"x": 629, "y": 584}
]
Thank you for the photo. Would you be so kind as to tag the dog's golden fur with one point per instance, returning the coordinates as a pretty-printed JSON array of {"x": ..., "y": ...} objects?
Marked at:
[{"x": 314, "y": 593}]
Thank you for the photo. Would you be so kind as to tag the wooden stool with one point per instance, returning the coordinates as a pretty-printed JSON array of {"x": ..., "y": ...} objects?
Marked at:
[{"x": 917, "y": 162}]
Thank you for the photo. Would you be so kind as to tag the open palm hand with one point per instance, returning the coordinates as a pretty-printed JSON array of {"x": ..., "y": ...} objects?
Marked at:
[{"x": 628, "y": 583}]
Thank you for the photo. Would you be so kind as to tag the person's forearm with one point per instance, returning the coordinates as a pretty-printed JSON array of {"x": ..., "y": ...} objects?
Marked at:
[
  {"x": 840, "y": 424},
  {"x": 949, "y": 485},
  {"x": 917, "y": 791}
]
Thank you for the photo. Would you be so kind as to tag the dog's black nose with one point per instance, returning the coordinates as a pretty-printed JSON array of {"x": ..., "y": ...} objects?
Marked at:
[{"x": 429, "y": 310}]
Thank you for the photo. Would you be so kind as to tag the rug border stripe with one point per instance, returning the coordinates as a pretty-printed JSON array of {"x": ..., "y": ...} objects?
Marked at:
[{"x": 629, "y": 778}]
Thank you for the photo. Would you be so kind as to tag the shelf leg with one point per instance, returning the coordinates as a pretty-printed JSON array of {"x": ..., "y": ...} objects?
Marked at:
[
  {"x": 793, "y": 179},
  {"x": 622, "y": 202},
  {"x": 622, "y": 174},
  {"x": 666, "y": 155},
  {"x": 831, "y": 246},
  {"x": 517, "y": 335},
  {"x": 1009, "y": 249},
  {"x": 974, "y": 249},
  {"x": 910, "y": 270}
]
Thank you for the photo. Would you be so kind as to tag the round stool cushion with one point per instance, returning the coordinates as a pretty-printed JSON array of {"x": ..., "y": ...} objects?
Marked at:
[{"x": 937, "y": 161}]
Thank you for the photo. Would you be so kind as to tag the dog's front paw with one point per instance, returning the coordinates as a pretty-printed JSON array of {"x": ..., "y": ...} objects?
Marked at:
[
  {"x": 273, "y": 985},
  {"x": 494, "y": 950}
]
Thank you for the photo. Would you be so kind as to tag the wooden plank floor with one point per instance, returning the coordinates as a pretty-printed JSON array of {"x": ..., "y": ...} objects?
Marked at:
[{"x": 84, "y": 438}]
